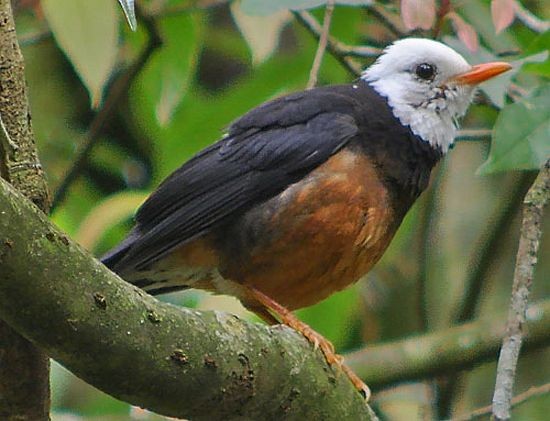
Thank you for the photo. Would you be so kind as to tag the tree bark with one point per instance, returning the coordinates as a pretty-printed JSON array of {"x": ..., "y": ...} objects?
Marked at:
[
  {"x": 24, "y": 369},
  {"x": 174, "y": 361}
]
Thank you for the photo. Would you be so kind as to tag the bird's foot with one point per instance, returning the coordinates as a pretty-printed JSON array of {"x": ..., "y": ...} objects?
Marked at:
[
  {"x": 318, "y": 340},
  {"x": 330, "y": 355}
]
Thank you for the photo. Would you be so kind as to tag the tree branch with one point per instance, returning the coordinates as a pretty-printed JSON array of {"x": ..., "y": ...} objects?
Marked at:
[
  {"x": 443, "y": 352},
  {"x": 530, "y": 20},
  {"x": 526, "y": 260},
  {"x": 24, "y": 369},
  {"x": 336, "y": 48},
  {"x": 174, "y": 361}
]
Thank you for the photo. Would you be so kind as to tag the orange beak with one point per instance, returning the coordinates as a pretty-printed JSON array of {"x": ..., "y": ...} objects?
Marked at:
[{"x": 481, "y": 72}]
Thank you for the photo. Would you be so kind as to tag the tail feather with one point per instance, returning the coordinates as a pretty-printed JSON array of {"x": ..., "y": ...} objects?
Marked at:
[
  {"x": 115, "y": 255},
  {"x": 114, "y": 259}
]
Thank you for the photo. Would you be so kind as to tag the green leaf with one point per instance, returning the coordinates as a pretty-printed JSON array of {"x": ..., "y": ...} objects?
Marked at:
[
  {"x": 107, "y": 213},
  {"x": 521, "y": 136},
  {"x": 165, "y": 79},
  {"x": 268, "y": 7},
  {"x": 88, "y": 34},
  {"x": 540, "y": 43},
  {"x": 261, "y": 33}
]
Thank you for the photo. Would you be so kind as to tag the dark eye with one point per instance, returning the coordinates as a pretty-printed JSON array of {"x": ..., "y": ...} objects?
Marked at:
[{"x": 425, "y": 71}]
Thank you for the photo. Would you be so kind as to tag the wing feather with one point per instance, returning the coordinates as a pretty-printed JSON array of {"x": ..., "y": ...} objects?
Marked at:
[{"x": 264, "y": 152}]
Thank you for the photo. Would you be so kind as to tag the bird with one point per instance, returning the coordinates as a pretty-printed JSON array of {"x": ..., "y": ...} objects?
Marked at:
[{"x": 303, "y": 194}]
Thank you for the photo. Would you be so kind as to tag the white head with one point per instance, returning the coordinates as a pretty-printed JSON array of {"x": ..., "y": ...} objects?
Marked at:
[{"x": 428, "y": 86}]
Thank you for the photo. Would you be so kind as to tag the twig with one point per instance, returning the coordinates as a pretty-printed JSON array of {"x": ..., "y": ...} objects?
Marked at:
[
  {"x": 444, "y": 8},
  {"x": 35, "y": 37},
  {"x": 530, "y": 393},
  {"x": 360, "y": 51},
  {"x": 388, "y": 19},
  {"x": 530, "y": 20},
  {"x": 526, "y": 260},
  {"x": 337, "y": 49},
  {"x": 323, "y": 39},
  {"x": 116, "y": 93},
  {"x": 473, "y": 134},
  {"x": 154, "y": 11}
]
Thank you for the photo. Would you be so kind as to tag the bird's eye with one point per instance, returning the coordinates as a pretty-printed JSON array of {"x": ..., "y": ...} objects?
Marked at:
[{"x": 425, "y": 71}]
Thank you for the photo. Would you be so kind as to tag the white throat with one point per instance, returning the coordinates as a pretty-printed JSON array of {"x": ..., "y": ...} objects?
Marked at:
[{"x": 434, "y": 121}]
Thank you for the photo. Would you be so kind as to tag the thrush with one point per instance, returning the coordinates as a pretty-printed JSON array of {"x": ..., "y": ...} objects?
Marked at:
[{"x": 303, "y": 194}]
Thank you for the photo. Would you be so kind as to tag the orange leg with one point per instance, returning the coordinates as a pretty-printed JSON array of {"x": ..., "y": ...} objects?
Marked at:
[{"x": 285, "y": 316}]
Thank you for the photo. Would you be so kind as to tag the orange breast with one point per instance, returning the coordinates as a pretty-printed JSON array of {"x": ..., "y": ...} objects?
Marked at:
[
  {"x": 315, "y": 238},
  {"x": 328, "y": 230}
]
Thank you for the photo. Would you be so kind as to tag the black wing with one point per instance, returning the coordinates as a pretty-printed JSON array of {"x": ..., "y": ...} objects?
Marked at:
[{"x": 264, "y": 152}]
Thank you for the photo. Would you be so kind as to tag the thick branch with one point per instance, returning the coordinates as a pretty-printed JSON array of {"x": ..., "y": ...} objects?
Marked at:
[
  {"x": 526, "y": 260},
  {"x": 444, "y": 352},
  {"x": 24, "y": 369},
  {"x": 19, "y": 153},
  {"x": 174, "y": 361}
]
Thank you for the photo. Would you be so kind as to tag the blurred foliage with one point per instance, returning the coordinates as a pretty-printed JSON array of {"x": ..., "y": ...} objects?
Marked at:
[{"x": 212, "y": 61}]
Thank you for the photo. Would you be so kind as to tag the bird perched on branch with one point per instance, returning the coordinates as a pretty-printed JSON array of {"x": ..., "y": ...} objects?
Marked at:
[{"x": 303, "y": 194}]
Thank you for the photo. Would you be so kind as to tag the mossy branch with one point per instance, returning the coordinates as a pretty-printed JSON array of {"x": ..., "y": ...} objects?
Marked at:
[{"x": 171, "y": 360}]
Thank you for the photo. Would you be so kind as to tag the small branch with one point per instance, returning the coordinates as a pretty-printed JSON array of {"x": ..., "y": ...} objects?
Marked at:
[
  {"x": 444, "y": 8},
  {"x": 337, "y": 49},
  {"x": 388, "y": 19},
  {"x": 473, "y": 134},
  {"x": 526, "y": 260},
  {"x": 323, "y": 39},
  {"x": 158, "y": 11},
  {"x": 116, "y": 93},
  {"x": 530, "y": 20},
  {"x": 443, "y": 352},
  {"x": 32, "y": 38},
  {"x": 532, "y": 392},
  {"x": 174, "y": 361},
  {"x": 359, "y": 51}
]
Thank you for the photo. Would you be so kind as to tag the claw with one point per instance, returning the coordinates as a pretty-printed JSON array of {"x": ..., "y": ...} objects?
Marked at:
[{"x": 318, "y": 341}]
